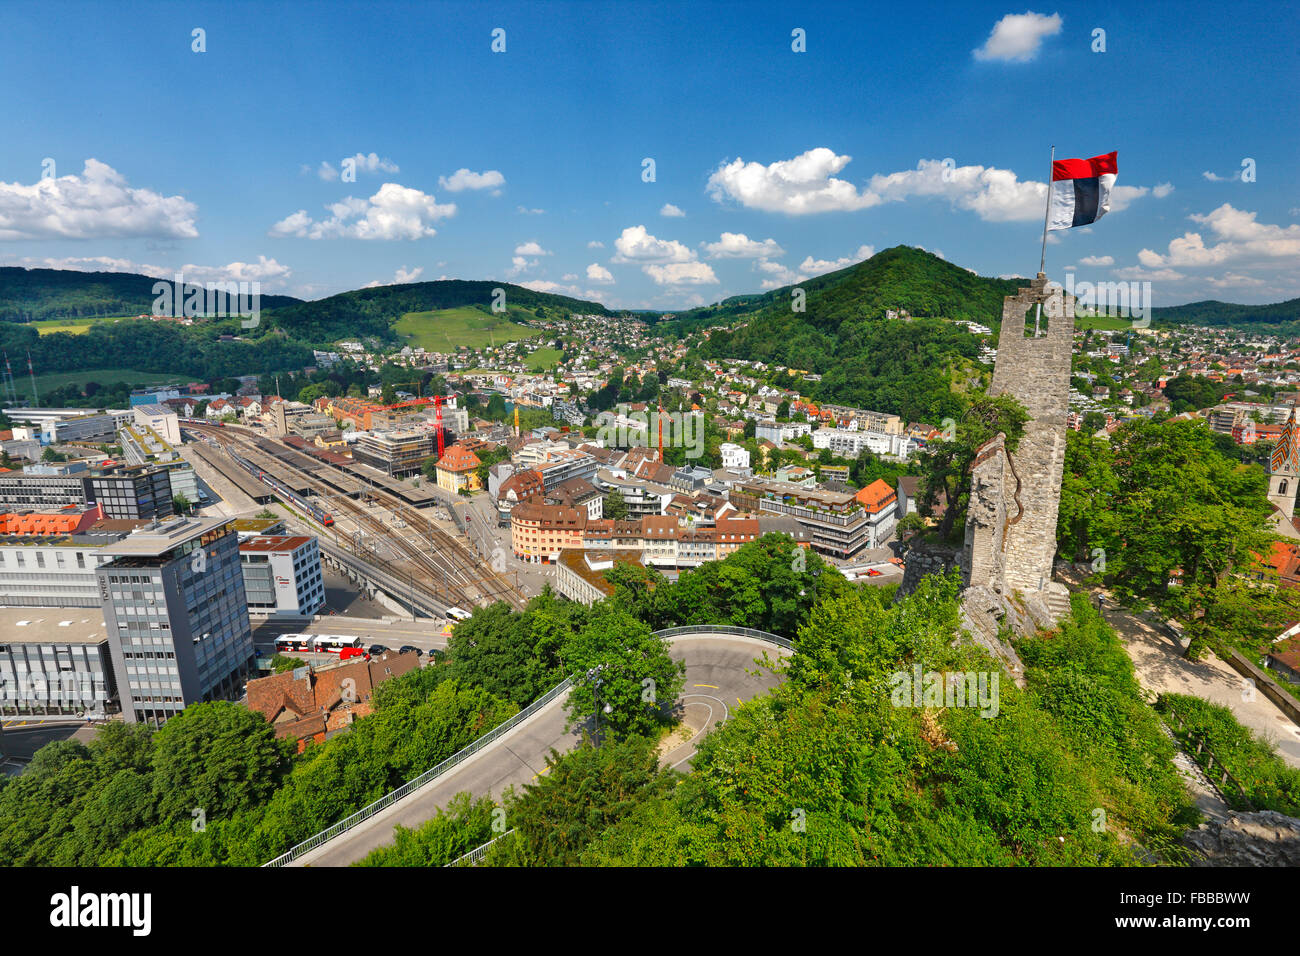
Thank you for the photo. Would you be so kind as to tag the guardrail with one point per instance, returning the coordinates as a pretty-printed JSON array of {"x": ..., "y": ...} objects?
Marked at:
[
  {"x": 388, "y": 799},
  {"x": 1210, "y": 765},
  {"x": 347, "y": 823},
  {"x": 475, "y": 856}
]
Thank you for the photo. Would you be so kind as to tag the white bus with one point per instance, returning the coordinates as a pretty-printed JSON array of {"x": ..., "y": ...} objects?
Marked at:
[
  {"x": 334, "y": 643},
  {"x": 289, "y": 643},
  {"x": 456, "y": 614}
]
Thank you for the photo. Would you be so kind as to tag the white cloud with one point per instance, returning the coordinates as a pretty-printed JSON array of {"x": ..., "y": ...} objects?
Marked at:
[
  {"x": 1137, "y": 272},
  {"x": 1016, "y": 38},
  {"x": 1161, "y": 190},
  {"x": 637, "y": 245},
  {"x": 530, "y": 248},
  {"x": 671, "y": 211},
  {"x": 394, "y": 212},
  {"x": 265, "y": 270},
  {"x": 681, "y": 273},
  {"x": 1216, "y": 178},
  {"x": 813, "y": 267},
  {"x": 737, "y": 245},
  {"x": 525, "y": 211},
  {"x": 545, "y": 285},
  {"x": 1242, "y": 239},
  {"x": 776, "y": 274},
  {"x": 598, "y": 273},
  {"x": 595, "y": 244},
  {"x": 520, "y": 265},
  {"x": 1098, "y": 260},
  {"x": 98, "y": 204},
  {"x": 361, "y": 163},
  {"x": 804, "y": 184},
  {"x": 400, "y": 277},
  {"x": 570, "y": 277},
  {"x": 463, "y": 179}
]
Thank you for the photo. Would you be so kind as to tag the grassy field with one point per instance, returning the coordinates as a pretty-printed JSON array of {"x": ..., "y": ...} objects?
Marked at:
[
  {"x": 74, "y": 326},
  {"x": 448, "y": 329},
  {"x": 102, "y": 376},
  {"x": 543, "y": 359},
  {"x": 1105, "y": 323}
]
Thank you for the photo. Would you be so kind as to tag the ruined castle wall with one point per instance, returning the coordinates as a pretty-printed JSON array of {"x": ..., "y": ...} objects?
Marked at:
[{"x": 1035, "y": 371}]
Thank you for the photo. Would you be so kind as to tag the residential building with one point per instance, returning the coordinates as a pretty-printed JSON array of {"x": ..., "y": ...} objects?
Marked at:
[
  {"x": 880, "y": 502},
  {"x": 734, "y": 456},
  {"x": 458, "y": 470}
]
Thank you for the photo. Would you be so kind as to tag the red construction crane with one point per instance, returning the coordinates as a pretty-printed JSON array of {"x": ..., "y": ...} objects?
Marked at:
[
  {"x": 437, "y": 404},
  {"x": 661, "y": 434}
]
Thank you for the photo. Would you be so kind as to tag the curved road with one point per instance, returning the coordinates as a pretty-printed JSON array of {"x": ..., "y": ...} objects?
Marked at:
[{"x": 720, "y": 674}]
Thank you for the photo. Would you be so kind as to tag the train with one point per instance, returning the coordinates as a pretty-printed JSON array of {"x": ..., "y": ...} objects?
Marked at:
[{"x": 288, "y": 496}]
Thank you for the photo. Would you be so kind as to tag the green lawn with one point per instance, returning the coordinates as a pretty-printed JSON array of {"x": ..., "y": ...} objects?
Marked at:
[
  {"x": 102, "y": 376},
  {"x": 543, "y": 359},
  {"x": 1106, "y": 323},
  {"x": 447, "y": 329},
  {"x": 74, "y": 326}
]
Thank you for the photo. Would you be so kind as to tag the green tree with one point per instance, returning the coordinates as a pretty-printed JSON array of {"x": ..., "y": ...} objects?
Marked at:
[
  {"x": 217, "y": 757},
  {"x": 181, "y": 504},
  {"x": 623, "y": 671},
  {"x": 614, "y": 506}
]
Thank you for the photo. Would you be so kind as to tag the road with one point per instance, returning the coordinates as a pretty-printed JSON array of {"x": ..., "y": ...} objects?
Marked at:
[{"x": 718, "y": 678}]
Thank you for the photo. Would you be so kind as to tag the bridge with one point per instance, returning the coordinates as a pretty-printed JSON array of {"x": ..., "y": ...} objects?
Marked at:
[{"x": 720, "y": 674}]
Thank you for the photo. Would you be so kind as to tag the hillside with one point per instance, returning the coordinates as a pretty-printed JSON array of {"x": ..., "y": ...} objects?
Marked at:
[
  {"x": 445, "y": 330},
  {"x": 28, "y": 295},
  {"x": 906, "y": 366},
  {"x": 373, "y": 312},
  {"x": 1212, "y": 312}
]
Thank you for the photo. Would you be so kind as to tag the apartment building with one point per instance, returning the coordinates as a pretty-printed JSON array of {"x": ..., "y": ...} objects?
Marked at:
[
  {"x": 836, "y": 521},
  {"x": 55, "y": 662}
]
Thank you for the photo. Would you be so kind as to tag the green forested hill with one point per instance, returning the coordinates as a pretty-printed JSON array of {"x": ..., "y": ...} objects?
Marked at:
[
  {"x": 372, "y": 312},
  {"x": 1212, "y": 312},
  {"x": 27, "y": 295}
]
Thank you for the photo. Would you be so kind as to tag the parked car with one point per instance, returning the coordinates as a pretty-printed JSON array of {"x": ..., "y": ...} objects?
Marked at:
[
  {"x": 376, "y": 649},
  {"x": 409, "y": 647}
]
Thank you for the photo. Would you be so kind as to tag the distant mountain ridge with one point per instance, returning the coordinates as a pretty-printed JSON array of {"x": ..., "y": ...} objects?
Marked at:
[{"x": 28, "y": 295}]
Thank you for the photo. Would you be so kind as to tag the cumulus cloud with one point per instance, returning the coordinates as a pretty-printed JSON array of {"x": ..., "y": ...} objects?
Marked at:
[
  {"x": 400, "y": 277},
  {"x": 598, "y": 273},
  {"x": 530, "y": 248},
  {"x": 804, "y": 184},
  {"x": 813, "y": 267},
  {"x": 361, "y": 163},
  {"x": 1098, "y": 260},
  {"x": 776, "y": 275},
  {"x": 595, "y": 244},
  {"x": 1242, "y": 239},
  {"x": 671, "y": 211},
  {"x": 545, "y": 285},
  {"x": 1216, "y": 178},
  {"x": 266, "y": 271},
  {"x": 463, "y": 179},
  {"x": 1161, "y": 190},
  {"x": 1017, "y": 37},
  {"x": 636, "y": 245},
  {"x": 394, "y": 212},
  {"x": 525, "y": 211},
  {"x": 97, "y": 204},
  {"x": 736, "y": 245},
  {"x": 681, "y": 273}
]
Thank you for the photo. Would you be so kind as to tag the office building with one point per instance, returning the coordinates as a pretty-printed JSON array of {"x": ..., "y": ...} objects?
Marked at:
[
  {"x": 282, "y": 576},
  {"x": 173, "y": 600},
  {"x": 55, "y": 662}
]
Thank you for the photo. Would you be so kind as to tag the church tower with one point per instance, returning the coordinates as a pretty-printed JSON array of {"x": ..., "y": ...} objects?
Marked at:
[{"x": 1284, "y": 467}]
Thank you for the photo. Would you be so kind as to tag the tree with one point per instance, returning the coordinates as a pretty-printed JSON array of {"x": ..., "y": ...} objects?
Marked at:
[
  {"x": 216, "y": 757},
  {"x": 1194, "y": 528},
  {"x": 621, "y": 671},
  {"x": 615, "y": 507},
  {"x": 1085, "y": 519},
  {"x": 388, "y": 395},
  {"x": 181, "y": 504},
  {"x": 946, "y": 464}
]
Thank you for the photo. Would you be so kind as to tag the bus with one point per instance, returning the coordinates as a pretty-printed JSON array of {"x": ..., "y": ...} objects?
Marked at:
[
  {"x": 335, "y": 643},
  {"x": 456, "y": 614},
  {"x": 289, "y": 643}
]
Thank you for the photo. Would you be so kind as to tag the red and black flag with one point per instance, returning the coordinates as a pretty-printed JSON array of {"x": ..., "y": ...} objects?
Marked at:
[{"x": 1080, "y": 190}]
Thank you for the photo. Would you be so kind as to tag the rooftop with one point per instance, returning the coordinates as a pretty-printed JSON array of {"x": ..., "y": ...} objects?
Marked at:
[{"x": 52, "y": 625}]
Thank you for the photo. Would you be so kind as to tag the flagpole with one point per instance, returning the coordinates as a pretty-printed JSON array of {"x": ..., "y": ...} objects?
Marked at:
[{"x": 1042, "y": 259}]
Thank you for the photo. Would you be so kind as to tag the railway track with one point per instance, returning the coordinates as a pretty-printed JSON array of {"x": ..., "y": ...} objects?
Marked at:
[{"x": 448, "y": 569}]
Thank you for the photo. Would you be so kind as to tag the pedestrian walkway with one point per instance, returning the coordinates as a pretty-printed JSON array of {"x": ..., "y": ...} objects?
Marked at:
[{"x": 1161, "y": 668}]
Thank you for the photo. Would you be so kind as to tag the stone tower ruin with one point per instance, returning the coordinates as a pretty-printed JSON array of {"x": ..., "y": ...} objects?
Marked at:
[{"x": 1011, "y": 522}]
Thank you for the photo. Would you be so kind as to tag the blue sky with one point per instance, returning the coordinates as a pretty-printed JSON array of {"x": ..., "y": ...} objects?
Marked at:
[{"x": 781, "y": 164}]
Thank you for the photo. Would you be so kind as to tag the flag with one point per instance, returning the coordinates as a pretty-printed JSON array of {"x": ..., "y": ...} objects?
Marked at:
[{"x": 1080, "y": 190}]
